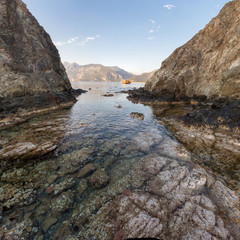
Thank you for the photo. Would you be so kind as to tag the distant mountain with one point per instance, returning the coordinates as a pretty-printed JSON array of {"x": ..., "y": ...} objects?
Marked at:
[
  {"x": 143, "y": 77},
  {"x": 95, "y": 73}
]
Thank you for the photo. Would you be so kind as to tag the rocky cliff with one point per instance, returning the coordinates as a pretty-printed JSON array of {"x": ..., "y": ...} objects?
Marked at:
[
  {"x": 209, "y": 64},
  {"x": 32, "y": 75},
  {"x": 95, "y": 73}
]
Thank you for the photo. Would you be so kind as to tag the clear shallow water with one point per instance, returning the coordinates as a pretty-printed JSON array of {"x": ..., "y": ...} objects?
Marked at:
[
  {"x": 97, "y": 155},
  {"x": 97, "y": 130}
]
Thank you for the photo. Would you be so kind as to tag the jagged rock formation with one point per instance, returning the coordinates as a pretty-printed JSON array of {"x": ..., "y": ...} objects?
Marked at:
[
  {"x": 32, "y": 75},
  {"x": 143, "y": 77},
  {"x": 209, "y": 64},
  {"x": 95, "y": 73}
]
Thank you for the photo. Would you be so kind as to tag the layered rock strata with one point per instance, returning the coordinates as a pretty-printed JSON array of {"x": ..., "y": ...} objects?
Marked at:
[
  {"x": 32, "y": 75},
  {"x": 209, "y": 64}
]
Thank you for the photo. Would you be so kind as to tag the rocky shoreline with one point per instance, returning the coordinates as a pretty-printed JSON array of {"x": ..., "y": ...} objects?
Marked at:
[
  {"x": 32, "y": 107},
  {"x": 202, "y": 111},
  {"x": 142, "y": 183},
  {"x": 33, "y": 79},
  {"x": 164, "y": 194},
  {"x": 102, "y": 170},
  {"x": 208, "y": 128}
]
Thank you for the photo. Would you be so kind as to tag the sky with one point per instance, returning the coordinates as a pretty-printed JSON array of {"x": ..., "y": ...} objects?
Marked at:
[{"x": 136, "y": 35}]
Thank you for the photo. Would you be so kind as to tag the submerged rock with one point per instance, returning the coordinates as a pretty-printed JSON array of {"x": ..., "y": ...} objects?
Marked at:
[
  {"x": 108, "y": 95},
  {"x": 82, "y": 186},
  {"x": 62, "y": 203},
  {"x": 137, "y": 115},
  {"x": 161, "y": 193},
  {"x": 50, "y": 221},
  {"x": 52, "y": 178},
  {"x": 99, "y": 179},
  {"x": 86, "y": 170},
  {"x": 64, "y": 185},
  {"x": 178, "y": 203}
]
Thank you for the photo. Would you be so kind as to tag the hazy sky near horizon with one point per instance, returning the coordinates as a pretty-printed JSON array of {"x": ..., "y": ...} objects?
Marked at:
[{"x": 136, "y": 35}]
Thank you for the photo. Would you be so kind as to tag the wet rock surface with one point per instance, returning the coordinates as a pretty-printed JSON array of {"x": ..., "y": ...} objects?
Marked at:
[
  {"x": 129, "y": 179},
  {"x": 99, "y": 179},
  {"x": 162, "y": 193},
  {"x": 218, "y": 148},
  {"x": 38, "y": 137},
  {"x": 177, "y": 201}
]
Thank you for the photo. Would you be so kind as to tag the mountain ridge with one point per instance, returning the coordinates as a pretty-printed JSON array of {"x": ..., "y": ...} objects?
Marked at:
[{"x": 95, "y": 72}]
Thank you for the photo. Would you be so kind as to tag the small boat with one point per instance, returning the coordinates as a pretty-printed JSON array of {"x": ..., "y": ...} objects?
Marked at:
[{"x": 126, "y": 82}]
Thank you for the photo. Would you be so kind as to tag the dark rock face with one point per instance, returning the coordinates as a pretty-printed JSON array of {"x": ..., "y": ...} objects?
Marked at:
[
  {"x": 209, "y": 64},
  {"x": 32, "y": 75}
]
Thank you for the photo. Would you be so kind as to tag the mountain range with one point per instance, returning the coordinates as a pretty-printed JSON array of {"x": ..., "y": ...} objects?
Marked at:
[
  {"x": 100, "y": 73},
  {"x": 95, "y": 73}
]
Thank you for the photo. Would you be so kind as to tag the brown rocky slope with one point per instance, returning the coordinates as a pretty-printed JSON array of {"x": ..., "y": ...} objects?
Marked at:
[
  {"x": 209, "y": 64},
  {"x": 32, "y": 75}
]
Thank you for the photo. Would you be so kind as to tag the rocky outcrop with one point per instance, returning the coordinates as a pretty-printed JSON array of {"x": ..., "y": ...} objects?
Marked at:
[
  {"x": 209, "y": 64},
  {"x": 95, "y": 73},
  {"x": 32, "y": 75}
]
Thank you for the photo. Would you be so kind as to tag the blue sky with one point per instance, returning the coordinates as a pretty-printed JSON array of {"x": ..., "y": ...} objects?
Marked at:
[{"x": 136, "y": 35}]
